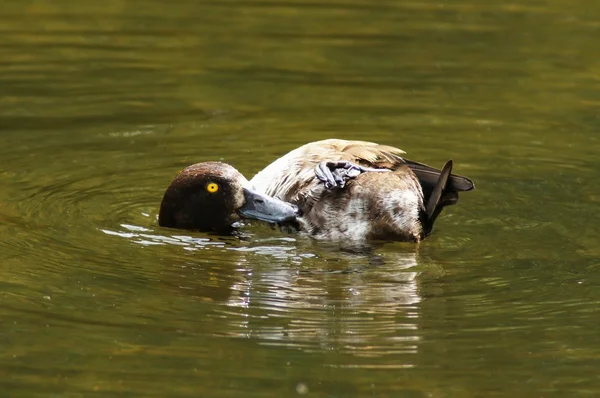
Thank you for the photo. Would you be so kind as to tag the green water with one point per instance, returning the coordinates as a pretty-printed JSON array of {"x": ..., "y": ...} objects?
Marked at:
[{"x": 102, "y": 103}]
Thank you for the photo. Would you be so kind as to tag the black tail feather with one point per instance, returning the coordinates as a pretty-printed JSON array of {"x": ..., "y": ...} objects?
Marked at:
[
  {"x": 428, "y": 177},
  {"x": 440, "y": 189},
  {"x": 434, "y": 201}
]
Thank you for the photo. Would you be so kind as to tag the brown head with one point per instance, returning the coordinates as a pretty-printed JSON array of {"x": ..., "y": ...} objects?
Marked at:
[{"x": 211, "y": 196}]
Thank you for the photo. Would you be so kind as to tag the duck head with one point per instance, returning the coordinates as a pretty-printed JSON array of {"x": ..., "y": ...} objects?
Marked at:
[{"x": 210, "y": 196}]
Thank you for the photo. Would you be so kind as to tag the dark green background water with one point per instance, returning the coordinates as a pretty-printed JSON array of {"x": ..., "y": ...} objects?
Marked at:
[{"x": 101, "y": 103}]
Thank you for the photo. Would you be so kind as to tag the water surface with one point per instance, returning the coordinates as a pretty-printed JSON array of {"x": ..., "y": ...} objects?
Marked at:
[{"x": 102, "y": 103}]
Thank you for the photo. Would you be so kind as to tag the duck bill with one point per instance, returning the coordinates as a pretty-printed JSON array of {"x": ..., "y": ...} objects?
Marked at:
[{"x": 265, "y": 208}]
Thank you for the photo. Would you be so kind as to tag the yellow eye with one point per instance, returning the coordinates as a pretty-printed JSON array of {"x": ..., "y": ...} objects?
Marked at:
[{"x": 212, "y": 187}]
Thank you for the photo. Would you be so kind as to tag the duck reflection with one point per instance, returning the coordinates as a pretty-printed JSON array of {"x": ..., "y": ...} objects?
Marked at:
[
  {"x": 295, "y": 293},
  {"x": 365, "y": 306}
]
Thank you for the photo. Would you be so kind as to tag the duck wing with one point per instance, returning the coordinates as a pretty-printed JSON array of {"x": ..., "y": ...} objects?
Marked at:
[
  {"x": 294, "y": 172},
  {"x": 367, "y": 154},
  {"x": 292, "y": 177},
  {"x": 388, "y": 157}
]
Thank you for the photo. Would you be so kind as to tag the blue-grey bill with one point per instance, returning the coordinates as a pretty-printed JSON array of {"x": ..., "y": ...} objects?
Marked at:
[{"x": 265, "y": 208}]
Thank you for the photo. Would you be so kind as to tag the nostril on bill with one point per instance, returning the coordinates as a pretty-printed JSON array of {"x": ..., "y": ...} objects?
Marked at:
[{"x": 296, "y": 210}]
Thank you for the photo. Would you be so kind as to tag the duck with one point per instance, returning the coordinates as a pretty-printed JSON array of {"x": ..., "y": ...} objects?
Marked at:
[{"x": 338, "y": 190}]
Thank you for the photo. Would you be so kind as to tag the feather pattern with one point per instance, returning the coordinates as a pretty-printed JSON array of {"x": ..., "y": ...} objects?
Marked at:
[{"x": 373, "y": 205}]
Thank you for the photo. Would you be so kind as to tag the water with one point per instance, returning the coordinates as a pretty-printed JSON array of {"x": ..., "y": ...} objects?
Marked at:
[{"x": 102, "y": 103}]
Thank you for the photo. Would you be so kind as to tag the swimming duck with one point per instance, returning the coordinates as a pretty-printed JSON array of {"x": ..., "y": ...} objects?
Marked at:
[
  {"x": 333, "y": 189},
  {"x": 211, "y": 196}
]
